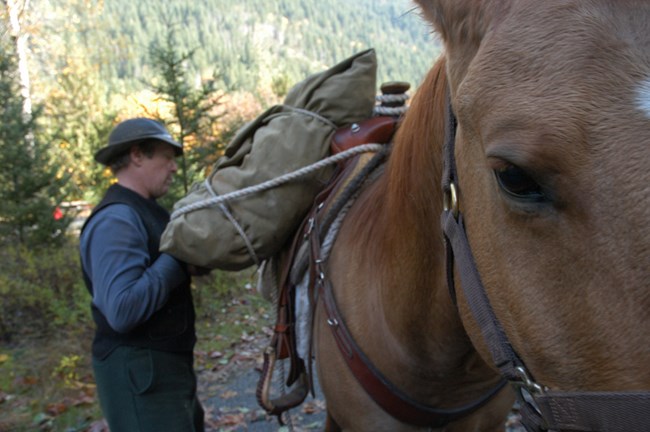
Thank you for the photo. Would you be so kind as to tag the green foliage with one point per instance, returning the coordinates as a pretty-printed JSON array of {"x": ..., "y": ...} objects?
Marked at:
[
  {"x": 30, "y": 188},
  {"x": 68, "y": 370},
  {"x": 78, "y": 119},
  {"x": 251, "y": 42},
  {"x": 45, "y": 376},
  {"x": 41, "y": 291},
  {"x": 47, "y": 384},
  {"x": 66, "y": 74},
  {"x": 193, "y": 108},
  {"x": 88, "y": 61}
]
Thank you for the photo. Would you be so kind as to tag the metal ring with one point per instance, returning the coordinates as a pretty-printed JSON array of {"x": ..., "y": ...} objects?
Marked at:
[
  {"x": 527, "y": 383},
  {"x": 450, "y": 200}
]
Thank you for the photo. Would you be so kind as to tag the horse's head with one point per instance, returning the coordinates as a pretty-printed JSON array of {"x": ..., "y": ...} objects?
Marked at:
[{"x": 553, "y": 154}]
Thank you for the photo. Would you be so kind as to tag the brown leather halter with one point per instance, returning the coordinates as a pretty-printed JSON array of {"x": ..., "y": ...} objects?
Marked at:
[
  {"x": 390, "y": 398},
  {"x": 542, "y": 409}
]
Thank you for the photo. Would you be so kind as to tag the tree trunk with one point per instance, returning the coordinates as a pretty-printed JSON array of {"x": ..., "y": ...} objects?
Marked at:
[{"x": 16, "y": 10}]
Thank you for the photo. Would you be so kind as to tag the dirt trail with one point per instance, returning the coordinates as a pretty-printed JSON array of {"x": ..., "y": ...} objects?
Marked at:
[{"x": 228, "y": 396}]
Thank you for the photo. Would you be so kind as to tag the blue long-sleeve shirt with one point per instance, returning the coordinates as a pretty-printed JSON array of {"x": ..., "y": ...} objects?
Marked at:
[{"x": 127, "y": 287}]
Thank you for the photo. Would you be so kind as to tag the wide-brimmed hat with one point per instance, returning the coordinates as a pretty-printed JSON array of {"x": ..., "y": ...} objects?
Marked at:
[{"x": 133, "y": 131}]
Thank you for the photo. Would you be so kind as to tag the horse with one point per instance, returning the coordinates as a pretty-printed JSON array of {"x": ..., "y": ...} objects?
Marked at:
[{"x": 546, "y": 106}]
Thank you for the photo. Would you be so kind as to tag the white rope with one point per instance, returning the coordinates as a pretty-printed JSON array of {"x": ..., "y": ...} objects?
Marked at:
[
  {"x": 394, "y": 111},
  {"x": 312, "y": 114},
  {"x": 390, "y": 111},
  {"x": 403, "y": 97},
  {"x": 247, "y": 242},
  {"x": 269, "y": 184}
]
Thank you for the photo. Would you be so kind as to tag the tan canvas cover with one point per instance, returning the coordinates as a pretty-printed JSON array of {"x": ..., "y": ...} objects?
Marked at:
[{"x": 281, "y": 140}]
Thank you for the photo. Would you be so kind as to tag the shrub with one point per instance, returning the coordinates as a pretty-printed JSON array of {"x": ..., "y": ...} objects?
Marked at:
[{"x": 41, "y": 291}]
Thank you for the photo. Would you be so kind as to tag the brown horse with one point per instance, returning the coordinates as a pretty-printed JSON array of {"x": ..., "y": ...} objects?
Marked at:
[{"x": 552, "y": 149}]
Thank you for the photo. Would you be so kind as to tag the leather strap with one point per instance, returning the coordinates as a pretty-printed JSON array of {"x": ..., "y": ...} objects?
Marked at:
[
  {"x": 283, "y": 342},
  {"x": 542, "y": 409},
  {"x": 390, "y": 398},
  {"x": 373, "y": 130},
  {"x": 595, "y": 411}
]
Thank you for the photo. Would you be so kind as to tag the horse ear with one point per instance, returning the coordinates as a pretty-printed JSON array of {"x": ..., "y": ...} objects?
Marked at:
[{"x": 462, "y": 24}]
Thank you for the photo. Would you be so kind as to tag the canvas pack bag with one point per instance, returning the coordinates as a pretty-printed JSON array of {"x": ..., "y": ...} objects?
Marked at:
[{"x": 240, "y": 232}]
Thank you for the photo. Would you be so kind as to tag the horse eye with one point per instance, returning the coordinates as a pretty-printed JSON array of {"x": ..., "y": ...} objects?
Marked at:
[{"x": 518, "y": 184}]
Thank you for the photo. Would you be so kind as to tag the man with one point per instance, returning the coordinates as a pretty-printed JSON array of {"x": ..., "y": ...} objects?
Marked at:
[{"x": 141, "y": 299}]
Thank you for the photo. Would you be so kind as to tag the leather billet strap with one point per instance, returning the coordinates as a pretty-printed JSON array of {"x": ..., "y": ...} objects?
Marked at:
[{"x": 542, "y": 409}]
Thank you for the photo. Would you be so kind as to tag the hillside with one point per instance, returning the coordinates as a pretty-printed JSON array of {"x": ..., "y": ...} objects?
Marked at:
[{"x": 253, "y": 42}]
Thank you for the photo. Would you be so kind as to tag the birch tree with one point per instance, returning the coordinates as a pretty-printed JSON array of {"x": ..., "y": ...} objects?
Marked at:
[
  {"x": 29, "y": 187},
  {"x": 16, "y": 12}
]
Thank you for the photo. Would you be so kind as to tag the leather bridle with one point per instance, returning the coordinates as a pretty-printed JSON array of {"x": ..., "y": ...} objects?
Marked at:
[{"x": 542, "y": 409}]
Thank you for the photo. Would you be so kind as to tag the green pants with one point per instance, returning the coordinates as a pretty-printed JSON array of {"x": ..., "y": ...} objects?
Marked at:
[{"x": 142, "y": 390}]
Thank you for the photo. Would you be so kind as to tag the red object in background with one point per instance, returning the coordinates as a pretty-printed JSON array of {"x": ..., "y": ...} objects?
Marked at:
[{"x": 58, "y": 214}]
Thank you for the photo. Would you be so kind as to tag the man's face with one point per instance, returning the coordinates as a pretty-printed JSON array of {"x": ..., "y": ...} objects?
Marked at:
[{"x": 158, "y": 171}]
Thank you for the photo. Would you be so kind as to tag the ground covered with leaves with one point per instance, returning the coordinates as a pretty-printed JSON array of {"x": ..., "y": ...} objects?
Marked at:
[{"x": 46, "y": 381}]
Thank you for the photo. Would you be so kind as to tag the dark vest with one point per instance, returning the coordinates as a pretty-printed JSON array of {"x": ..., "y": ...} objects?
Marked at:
[{"x": 172, "y": 327}]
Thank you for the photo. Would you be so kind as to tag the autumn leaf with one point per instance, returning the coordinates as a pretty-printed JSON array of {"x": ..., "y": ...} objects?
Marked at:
[
  {"x": 26, "y": 381},
  {"x": 83, "y": 399},
  {"x": 56, "y": 409},
  {"x": 231, "y": 420},
  {"x": 99, "y": 426},
  {"x": 229, "y": 394},
  {"x": 312, "y": 407}
]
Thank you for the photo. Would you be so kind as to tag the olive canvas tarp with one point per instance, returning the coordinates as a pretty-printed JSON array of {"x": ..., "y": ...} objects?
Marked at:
[{"x": 281, "y": 140}]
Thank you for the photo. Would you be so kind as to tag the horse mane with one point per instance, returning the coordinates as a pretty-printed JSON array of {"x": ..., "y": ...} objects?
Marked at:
[
  {"x": 415, "y": 166},
  {"x": 407, "y": 196}
]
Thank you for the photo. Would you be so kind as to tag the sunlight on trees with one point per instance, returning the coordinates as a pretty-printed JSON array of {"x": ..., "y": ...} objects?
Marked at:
[
  {"x": 194, "y": 106},
  {"x": 30, "y": 189},
  {"x": 209, "y": 67}
]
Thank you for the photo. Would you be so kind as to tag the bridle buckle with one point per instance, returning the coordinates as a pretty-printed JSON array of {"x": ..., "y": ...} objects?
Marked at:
[
  {"x": 526, "y": 383},
  {"x": 450, "y": 200}
]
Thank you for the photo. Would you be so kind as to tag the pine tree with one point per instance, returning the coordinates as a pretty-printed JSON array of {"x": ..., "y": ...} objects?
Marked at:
[
  {"x": 29, "y": 188},
  {"x": 194, "y": 109}
]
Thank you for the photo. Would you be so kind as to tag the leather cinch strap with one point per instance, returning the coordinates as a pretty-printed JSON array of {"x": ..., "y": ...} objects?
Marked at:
[{"x": 542, "y": 409}]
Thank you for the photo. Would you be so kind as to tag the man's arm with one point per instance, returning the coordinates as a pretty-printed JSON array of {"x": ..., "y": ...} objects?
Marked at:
[{"x": 127, "y": 288}]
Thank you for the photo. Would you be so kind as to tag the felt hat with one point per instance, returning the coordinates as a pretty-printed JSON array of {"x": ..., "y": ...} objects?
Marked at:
[{"x": 133, "y": 131}]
